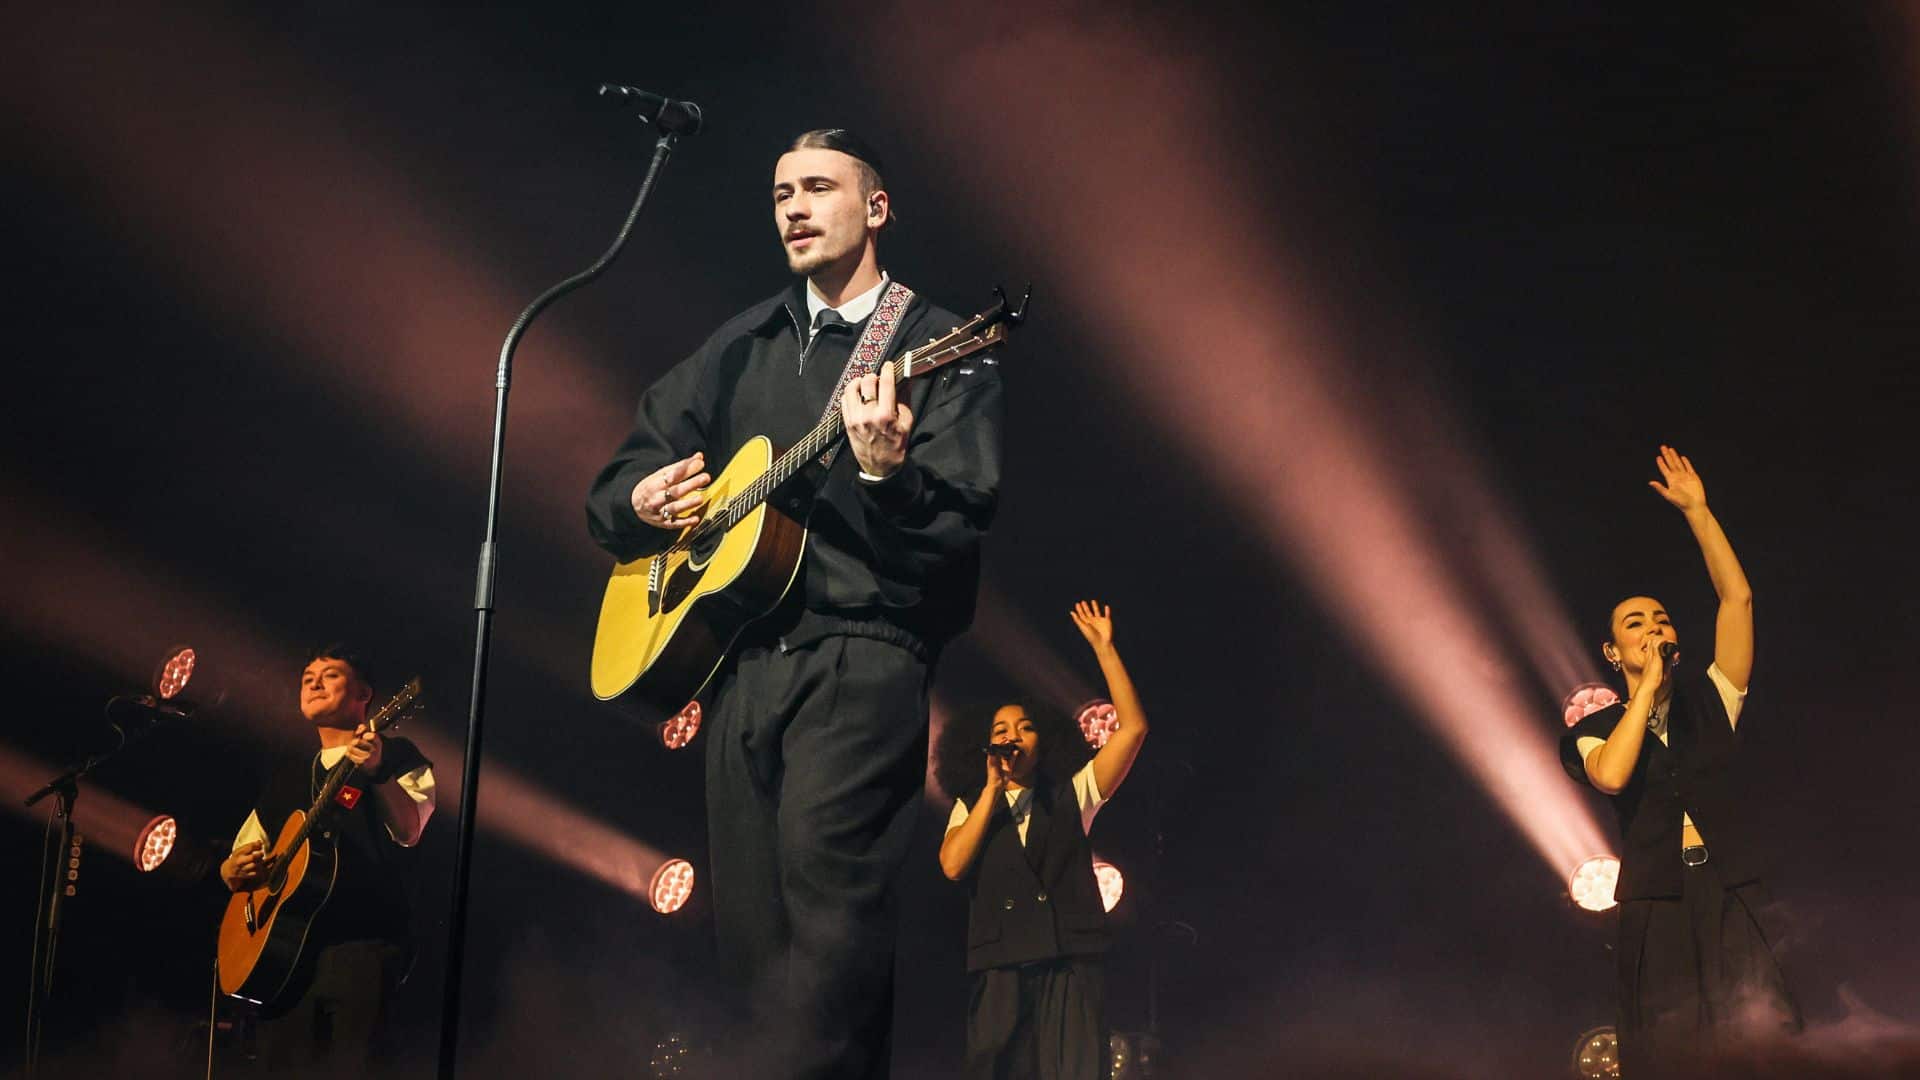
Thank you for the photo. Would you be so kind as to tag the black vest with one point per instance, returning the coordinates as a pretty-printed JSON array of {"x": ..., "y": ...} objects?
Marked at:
[
  {"x": 1040, "y": 901},
  {"x": 1694, "y": 772},
  {"x": 369, "y": 898}
]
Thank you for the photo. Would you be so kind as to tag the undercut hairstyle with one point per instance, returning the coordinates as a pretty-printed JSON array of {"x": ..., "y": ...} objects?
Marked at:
[
  {"x": 959, "y": 758},
  {"x": 354, "y": 658},
  {"x": 871, "y": 171},
  {"x": 855, "y": 147}
]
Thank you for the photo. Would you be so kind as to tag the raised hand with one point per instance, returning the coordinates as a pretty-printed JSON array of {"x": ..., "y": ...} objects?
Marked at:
[
  {"x": 1095, "y": 622},
  {"x": 671, "y": 497},
  {"x": 1683, "y": 487}
]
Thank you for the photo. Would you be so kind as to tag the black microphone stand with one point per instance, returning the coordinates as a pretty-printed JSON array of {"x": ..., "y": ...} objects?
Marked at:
[
  {"x": 46, "y": 935},
  {"x": 483, "y": 608}
]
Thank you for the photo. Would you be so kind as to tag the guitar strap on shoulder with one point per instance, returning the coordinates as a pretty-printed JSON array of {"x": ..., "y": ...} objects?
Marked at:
[{"x": 870, "y": 350}]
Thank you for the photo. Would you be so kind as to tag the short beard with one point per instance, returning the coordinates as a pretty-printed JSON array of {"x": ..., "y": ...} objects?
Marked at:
[{"x": 807, "y": 263}]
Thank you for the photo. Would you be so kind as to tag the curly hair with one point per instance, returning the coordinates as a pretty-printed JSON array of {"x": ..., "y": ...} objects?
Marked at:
[{"x": 958, "y": 765}]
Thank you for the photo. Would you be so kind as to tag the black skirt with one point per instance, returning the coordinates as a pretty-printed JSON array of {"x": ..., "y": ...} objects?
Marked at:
[{"x": 1044, "y": 1021}]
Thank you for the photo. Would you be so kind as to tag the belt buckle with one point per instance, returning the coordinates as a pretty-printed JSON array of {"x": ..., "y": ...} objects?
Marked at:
[{"x": 1694, "y": 855}]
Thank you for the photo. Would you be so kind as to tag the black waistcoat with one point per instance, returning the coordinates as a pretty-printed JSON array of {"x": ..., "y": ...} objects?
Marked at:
[
  {"x": 1040, "y": 901},
  {"x": 1694, "y": 772},
  {"x": 369, "y": 898}
]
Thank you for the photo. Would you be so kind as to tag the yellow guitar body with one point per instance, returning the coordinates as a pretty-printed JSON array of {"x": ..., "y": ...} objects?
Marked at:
[{"x": 667, "y": 620}]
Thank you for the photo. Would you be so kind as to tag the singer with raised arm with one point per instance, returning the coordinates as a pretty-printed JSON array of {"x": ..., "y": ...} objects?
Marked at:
[
  {"x": 816, "y": 732},
  {"x": 1036, "y": 928},
  {"x": 1694, "y": 960}
]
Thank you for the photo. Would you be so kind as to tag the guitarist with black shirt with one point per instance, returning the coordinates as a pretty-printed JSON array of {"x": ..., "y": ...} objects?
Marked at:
[
  {"x": 817, "y": 727},
  {"x": 333, "y": 1011}
]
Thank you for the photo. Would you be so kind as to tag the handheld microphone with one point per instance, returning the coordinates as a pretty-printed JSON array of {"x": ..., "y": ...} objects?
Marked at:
[
  {"x": 1670, "y": 652},
  {"x": 1002, "y": 749},
  {"x": 670, "y": 116}
]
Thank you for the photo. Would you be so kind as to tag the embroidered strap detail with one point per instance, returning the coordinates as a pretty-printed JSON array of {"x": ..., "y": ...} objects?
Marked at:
[{"x": 870, "y": 350}]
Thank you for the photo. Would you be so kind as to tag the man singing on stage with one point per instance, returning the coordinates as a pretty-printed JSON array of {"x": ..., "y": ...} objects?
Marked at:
[{"x": 816, "y": 744}]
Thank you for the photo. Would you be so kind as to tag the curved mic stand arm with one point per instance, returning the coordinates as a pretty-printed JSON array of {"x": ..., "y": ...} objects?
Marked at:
[{"x": 483, "y": 608}]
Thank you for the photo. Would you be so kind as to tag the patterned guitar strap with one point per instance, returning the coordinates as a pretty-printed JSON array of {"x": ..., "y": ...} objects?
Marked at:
[{"x": 871, "y": 349}]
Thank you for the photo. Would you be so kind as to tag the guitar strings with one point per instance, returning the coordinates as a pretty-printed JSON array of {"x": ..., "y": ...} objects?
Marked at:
[{"x": 815, "y": 441}]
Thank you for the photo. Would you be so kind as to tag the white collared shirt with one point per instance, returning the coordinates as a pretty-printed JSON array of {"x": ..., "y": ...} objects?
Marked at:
[{"x": 854, "y": 310}]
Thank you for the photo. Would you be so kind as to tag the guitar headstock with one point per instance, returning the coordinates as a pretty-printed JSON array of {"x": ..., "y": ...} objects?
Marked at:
[
  {"x": 983, "y": 331},
  {"x": 397, "y": 708}
]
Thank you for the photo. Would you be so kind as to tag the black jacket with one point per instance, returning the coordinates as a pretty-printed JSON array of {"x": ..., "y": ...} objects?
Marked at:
[
  {"x": 369, "y": 897},
  {"x": 906, "y": 550},
  {"x": 1039, "y": 901},
  {"x": 1695, "y": 772}
]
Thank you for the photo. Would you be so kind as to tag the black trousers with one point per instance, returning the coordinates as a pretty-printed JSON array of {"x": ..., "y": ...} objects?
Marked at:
[
  {"x": 337, "y": 1026},
  {"x": 1045, "y": 1021},
  {"x": 815, "y": 765},
  {"x": 1695, "y": 970}
]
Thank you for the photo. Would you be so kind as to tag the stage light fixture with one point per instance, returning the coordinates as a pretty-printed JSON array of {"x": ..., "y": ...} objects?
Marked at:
[
  {"x": 1591, "y": 883},
  {"x": 1112, "y": 883},
  {"x": 155, "y": 843},
  {"x": 1597, "y": 1054},
  {"x": 679, "y": 729},
  {"x": 1098, "y": 720},
  {"x": 1585, "y": 700},
  {"x": 174, "y": 673},
  {"x": 1132, "y": 1055},
  {"x": 672, "y": 885}
]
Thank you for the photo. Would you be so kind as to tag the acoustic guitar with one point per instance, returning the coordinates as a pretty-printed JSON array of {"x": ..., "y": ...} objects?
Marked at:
[
  {"x": 263, "y": 935},
  {"x": 668, "y": 620}
]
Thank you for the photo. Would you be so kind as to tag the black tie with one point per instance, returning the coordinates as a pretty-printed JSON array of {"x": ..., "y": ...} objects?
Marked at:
[{"x": 828, "y": 318}]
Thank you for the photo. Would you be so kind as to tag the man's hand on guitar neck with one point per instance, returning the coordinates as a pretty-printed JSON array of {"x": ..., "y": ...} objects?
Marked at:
[
  {"x": 365, "y": 750},
  {"x": 877, "y": 423},
  {"x": 245, "y": 867},
  {"x": 671, "y": 498}
]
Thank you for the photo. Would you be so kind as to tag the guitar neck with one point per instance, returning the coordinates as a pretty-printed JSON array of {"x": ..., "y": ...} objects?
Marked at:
[{"x": 964, "y": 340}]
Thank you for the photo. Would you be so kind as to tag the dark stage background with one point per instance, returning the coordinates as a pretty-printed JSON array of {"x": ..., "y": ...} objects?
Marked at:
[{"x": 264, "y": 257}]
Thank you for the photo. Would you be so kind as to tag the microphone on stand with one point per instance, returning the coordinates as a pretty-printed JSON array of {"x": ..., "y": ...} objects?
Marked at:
[
  {"x": 670, "y": 116},
  {"x": 133, "y": 717}
]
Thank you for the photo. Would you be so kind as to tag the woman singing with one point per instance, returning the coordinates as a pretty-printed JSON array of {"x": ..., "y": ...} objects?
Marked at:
[
  {"x": 1693, "y": 959},
  {"x": 1036, "y": 929}
]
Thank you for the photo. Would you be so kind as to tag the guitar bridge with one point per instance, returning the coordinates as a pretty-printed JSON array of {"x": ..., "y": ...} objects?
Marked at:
[
  {"x": 655, "y": 566},
  {"x": 252, "y": 924}
]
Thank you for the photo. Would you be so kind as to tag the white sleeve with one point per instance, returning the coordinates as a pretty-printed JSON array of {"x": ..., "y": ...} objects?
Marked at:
[
  {"x": 959, "y": 815},
  {"x": 418, "y": 785},
  {"x": 1086, "y": 791},
  {"x": 1733, "y": 699},
  {"x": 1586, "y": 744},
  {"x": 251, "y": 832}
]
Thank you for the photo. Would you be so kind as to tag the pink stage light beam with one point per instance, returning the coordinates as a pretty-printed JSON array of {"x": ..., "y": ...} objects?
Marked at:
[{"x": 1131, "y": 208}]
